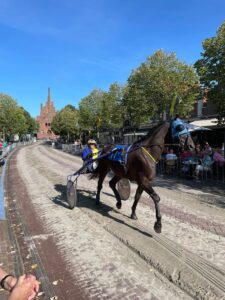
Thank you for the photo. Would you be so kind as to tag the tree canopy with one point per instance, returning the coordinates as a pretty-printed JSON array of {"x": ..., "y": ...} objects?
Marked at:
[
  {"x": 211, "y": 69},
  {"x": 90, "y": 109},
  {"x": 65, "y": 122},
  {"x": 114, "y": 106},
  {"x": 156, "y": 84},
  {"x": 12, "y": 117},
  {"x": 102, "y": 109},
  {"x": 31, "y": 124}
]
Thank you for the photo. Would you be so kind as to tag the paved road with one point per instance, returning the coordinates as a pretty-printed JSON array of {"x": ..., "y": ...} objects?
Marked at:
[{"x": 90, "y": 253}]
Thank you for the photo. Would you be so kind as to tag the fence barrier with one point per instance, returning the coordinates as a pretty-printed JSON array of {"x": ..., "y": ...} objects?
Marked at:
[
  {"x": 72, "y": 149},
  {"x": 4, "y": 151}
]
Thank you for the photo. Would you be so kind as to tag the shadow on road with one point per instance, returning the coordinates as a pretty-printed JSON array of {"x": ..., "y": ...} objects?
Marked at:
[
  {"x": 61, "y": 198},
  {"x": 86, "y": 199}
]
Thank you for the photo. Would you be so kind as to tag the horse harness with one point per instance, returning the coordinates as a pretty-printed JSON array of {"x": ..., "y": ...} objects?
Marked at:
[
  {"x": 145, "y": 150},
  {"x": 135, "y": 147},
  {"x": 149, "y": 154}
]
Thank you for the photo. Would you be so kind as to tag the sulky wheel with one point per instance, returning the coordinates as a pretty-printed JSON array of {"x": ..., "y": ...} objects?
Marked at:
[
  {"x": 123, "y": 187},
  {"x": 71, "y": 194}
]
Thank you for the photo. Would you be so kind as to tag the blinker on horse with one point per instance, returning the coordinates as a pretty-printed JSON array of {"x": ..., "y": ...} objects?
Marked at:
[{"x": 140, "y": 167}]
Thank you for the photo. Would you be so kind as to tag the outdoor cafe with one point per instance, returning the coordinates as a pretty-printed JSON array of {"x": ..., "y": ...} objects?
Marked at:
[{"x": 205, "y": 162}]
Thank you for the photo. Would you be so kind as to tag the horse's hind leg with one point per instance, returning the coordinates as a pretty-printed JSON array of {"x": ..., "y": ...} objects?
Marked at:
[
  {"x": 136, "y": 199},
  {"x": 112, "y": 184},
  {"x": 155, "y": 197},
  {"x": 102, "y": 174}
]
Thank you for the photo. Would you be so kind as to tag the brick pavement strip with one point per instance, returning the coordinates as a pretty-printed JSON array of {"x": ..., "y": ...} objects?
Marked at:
[
  {"x": 44, "y": 262},
  {"x": 6, "y": 255},
  {"x": 9, "y": 258}
]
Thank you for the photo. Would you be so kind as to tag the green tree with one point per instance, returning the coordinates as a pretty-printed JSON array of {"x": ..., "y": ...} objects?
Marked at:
[
  {"x": 12, "y": 119},
  {"x": 102, "y": 109},
  {"x": 112, "y": 108},
  {"x": 32, "y": 124},
  {"x": 65, "y": 122},
  {"x": 90, "y": 110},
  {"x": 211, "y": 69},
  {"x": 156, "y": 83}
]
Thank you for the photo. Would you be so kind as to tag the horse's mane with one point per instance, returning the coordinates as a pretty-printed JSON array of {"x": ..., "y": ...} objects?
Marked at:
[{"x": 152, "y": 131}]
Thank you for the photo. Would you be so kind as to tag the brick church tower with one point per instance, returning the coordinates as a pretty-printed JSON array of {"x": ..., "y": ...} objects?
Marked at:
[{"x": 47, "y": 114}]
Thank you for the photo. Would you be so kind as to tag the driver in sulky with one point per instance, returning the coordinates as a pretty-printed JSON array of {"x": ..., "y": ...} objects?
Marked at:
[{"x": 90, "y": 152}]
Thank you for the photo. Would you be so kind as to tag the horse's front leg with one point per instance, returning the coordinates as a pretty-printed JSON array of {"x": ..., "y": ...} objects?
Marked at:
[
  {"x": 102, "y": 174},
  {"x": 136, "y": 199},
  {"x": 155, "y": 197},
  {"x": 112, "y": 184}
]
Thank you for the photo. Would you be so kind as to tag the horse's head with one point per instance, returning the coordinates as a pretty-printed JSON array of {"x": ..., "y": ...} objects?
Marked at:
[{"x": 180, "y": 134}]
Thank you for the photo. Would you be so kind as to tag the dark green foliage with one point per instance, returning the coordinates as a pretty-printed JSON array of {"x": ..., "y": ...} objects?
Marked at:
[{"x": 211, "y": 69}]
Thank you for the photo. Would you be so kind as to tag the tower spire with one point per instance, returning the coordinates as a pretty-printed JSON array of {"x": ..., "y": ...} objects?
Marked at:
[{"x": 49, "y": 95}]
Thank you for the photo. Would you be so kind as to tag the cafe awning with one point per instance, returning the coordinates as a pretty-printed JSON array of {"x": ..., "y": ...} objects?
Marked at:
[
  {"x": 205, "y": 122},
  {"x": 191, "y": 127}
]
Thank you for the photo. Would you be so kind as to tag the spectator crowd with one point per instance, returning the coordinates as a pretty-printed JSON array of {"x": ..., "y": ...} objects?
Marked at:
[{"x": 195, "y": 162}]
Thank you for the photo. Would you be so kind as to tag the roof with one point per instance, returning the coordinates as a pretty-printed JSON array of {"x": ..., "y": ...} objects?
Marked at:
[
  {"x": 192, "y": 127},
  {"x": 205, "y": 122}
]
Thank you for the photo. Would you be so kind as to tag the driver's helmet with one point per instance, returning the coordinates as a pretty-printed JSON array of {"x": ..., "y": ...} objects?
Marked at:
[{"x": 92, "y": 141}]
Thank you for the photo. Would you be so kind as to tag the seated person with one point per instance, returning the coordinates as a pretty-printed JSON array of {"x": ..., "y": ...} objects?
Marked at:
[
  {"x": 219, "y": 158},
  {"x": 185, "y": 155},
  {"x": 207, "y": 150},
  {"x": 198, "y": 152},
  {"x": 189, "y": 160},
  {"x": 90, "y": 152},
  {"x": 206, "y": 165},
  {"x": 171, "y": 159},
  {"x": 171, "y": 155}
]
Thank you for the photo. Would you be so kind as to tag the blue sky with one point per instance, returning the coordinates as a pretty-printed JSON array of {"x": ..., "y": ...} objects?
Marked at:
[{"x": 75, "y": 46}]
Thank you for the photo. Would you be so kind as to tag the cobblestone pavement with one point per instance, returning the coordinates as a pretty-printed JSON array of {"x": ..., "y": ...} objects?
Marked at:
[
  {"x": 192, "y": 219},
  {"x": 9, "y": 260},
  {"x": 6, "y": 258},
  {"x": 90, "y": 254}
]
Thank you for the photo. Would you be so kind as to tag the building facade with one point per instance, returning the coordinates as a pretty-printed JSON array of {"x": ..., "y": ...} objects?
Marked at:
[{"x": 47, "y": 113}]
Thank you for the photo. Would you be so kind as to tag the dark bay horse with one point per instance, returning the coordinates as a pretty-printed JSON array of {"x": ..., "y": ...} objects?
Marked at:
[{"x": 140, "y": 168}]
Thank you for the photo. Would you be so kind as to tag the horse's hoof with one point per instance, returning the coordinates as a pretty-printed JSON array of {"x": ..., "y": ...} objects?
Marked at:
[
  {"x": 158, "y": 227},
  {"x": 118, "y": 205},
  {"x": 97, "y": 202},
  {"x": 133, "y": 216}
]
